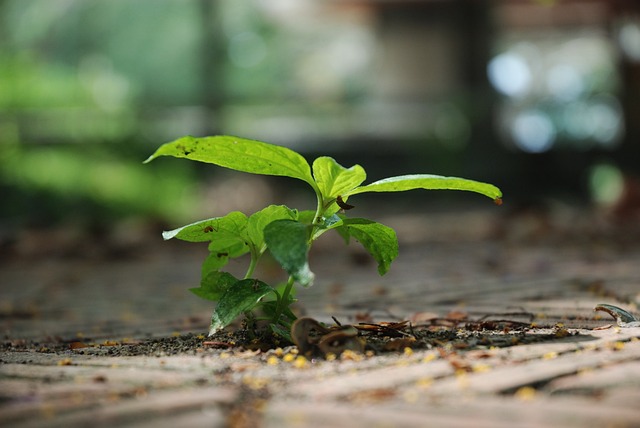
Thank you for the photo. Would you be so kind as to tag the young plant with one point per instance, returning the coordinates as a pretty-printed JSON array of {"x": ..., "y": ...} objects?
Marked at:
[{"x": 286, "y": 233}]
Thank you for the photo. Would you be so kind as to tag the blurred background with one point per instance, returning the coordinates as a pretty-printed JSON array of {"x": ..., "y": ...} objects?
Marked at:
[{"x": 541, "y": 98}]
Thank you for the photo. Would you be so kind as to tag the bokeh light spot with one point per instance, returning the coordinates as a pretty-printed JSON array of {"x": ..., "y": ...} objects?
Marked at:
[
  {"x": 533, "y": 131},
  {"x": 606, "y": 183},
  {"x": 510, "y": 74}
]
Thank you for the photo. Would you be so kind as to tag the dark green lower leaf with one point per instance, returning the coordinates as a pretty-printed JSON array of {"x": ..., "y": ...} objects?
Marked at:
[
  {"x": 214, "y": 262},
  {"x": 213, "y": 285},
  {"x": 287, "y": 241},
  {"x": 282, "y": 332},
  {"x": 240, "y": 297},
  {"x": 270, "y": 309},
  {"x": 379, "y": 240}
]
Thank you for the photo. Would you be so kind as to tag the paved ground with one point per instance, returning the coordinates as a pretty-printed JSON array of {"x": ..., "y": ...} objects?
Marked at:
[{"x": 570, "y": 371}]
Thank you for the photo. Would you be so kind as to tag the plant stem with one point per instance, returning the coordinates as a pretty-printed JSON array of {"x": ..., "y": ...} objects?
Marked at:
[
  {"x": 255, "y": 256},
  {"x": 282, "y": 302},
  {"x": 318, "y": 219}
]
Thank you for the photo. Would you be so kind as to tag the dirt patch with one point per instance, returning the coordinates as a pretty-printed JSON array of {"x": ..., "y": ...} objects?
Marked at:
[{"x": 376, "y": 338}]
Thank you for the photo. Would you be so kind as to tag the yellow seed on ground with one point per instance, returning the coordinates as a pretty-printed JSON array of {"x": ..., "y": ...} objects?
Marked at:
[
  {"x": 331, "y": 356},
  {"x": 526, "y": 393},
  {"x": 300, "y": 362},
  {"x": 273, "y": 360},
  {"x": 255, "y": 383},
  {"x": 351, "y": 355},
  {"x": 585, "y": 371},
  {"x": 550, "y": 355},
  {"x": 429, "y": 357},
  {"x": 65, "y": 362},
  {"x": 424, "y": 382},
  {"x": 279, "y": 352},
  {"x": 288, "y": 358},
  {"x": 481, "y": 368},
  {"x": 618, "y": 346},
  {"x": 462, "y": 378},
  {"x": 408, "y": 351}
]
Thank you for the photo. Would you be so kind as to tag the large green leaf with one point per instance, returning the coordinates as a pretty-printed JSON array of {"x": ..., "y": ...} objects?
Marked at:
[
  {"x": 379, "y": 240},
  {"x": 240, "y": 297},
  {"x": 213, "y": 285},
  {"x": 258, "y": 221},
  {"x": 240, "y": 154},
  {"x": 333, "y": 179},
  {"x": 288, "y": 242},
  {"x": 428, "y": 182}
]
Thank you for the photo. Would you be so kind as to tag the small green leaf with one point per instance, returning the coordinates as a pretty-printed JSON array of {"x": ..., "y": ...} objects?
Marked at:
[
  {"x": 227, "y": 235},
  {"x": 332, "y": 222},
  {"x": 428, "y": 182},
  {"x": 240, "y": 297},
  {"x": 240, "y": 154},
  {"x": 379, "y": 240},
  {"x": 229, "y": 246},
  {"x": 333, "y": 179},
  {"x": 282, "y": 332},
  {"x": 213, "y": 285},
  {"x": 287, "y": 241},
  {"x": 233, "y": 224},
  {"x": 269, "y": 309},
  {"x": 214, "y": 261},
  {"x": 258, "y": 221}
]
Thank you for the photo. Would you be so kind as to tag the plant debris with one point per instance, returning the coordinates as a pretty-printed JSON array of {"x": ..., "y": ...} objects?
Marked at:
[{"x": 623, "y": 318}]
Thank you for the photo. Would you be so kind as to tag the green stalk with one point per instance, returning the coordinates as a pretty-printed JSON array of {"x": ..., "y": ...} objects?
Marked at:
[
  {"x": 283, "y": 299},
  {"x": 318, "y": 219},
  {"x": 255, "y": 257}
]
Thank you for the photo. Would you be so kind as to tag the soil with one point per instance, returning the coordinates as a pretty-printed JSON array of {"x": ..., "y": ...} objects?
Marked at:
[{"x": 500, "y": 332}]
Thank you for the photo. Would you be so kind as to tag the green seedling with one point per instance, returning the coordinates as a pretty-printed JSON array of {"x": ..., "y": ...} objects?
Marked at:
[{"x": 285, "y": 232}]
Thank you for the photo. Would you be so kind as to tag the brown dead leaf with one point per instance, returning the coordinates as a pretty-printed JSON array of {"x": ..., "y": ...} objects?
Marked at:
[
  {"x": 423, "y": 317},
  {"x": 457, "y": 315}
]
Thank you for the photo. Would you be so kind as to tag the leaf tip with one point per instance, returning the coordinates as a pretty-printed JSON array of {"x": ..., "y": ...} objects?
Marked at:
[
  {"x": 497, "y": 201},
  {"x": 213, "y": 330}
]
